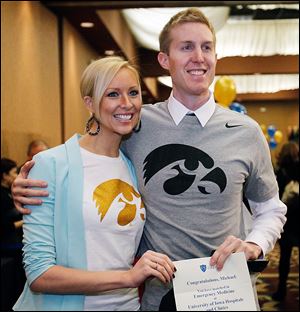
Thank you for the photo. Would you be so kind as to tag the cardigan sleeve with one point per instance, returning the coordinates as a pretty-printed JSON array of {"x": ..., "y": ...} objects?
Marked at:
[{"x": 39, "y": 252}]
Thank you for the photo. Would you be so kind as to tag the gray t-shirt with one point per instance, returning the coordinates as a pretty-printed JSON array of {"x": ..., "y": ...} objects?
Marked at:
[{"x": 192, "y": 179}]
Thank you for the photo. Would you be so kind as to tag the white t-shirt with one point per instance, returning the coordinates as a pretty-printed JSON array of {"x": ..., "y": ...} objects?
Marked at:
[{"x": 114, "y": 217}]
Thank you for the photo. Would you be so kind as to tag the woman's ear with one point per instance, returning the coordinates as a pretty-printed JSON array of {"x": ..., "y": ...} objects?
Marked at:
[
  {"x": 163, "y": 60},
  {"x": 88, "y": 101}
]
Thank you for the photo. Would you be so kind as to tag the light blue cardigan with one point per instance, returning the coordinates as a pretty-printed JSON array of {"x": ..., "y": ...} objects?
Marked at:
[{"x": 54, "y": 232}]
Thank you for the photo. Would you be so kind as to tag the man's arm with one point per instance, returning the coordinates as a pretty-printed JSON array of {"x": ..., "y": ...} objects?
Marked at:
[
  {"x": 268, "y": 222},
  {"x": 22, "y": 191},
  {"x": 269, "y": 218}
]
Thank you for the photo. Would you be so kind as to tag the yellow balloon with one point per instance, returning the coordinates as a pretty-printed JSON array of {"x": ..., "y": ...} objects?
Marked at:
[
  {"x": 225, "y": 90},
  {"x": 267, "y": 137},
  {"x": 278, "y": 136},
  {"x": 263, "y": 128}
]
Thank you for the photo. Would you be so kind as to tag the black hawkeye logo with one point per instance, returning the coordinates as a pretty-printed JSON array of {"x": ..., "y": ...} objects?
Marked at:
[
  {"x": 184, "y": 161},
  {"x": 227, "y": 125}
]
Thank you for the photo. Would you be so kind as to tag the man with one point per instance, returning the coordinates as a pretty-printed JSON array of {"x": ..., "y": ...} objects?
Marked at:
[{"x": 194, "y": 160}]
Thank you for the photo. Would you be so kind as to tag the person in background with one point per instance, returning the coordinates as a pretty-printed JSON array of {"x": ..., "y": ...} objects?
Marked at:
[
  {"x": 286, "y": 159},
  {"x": 194, "y": 160},
  {"x": 35, "y": 147},
  {"x": 79, "y": 248},
  {"x": 287, "y": 173},
  {"x": 12, "y": 272}
]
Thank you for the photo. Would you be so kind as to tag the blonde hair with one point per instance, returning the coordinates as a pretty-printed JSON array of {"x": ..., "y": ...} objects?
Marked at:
[
  {"x": 99, "y": 74},
  {"x": 191, "y": 15}
]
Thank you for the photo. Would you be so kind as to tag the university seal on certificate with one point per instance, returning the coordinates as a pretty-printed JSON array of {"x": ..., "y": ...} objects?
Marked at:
[{"x": 200, "y": 287}]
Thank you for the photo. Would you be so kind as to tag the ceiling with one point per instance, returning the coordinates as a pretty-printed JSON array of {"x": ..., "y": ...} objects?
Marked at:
[{"x": 81, "y": 11}]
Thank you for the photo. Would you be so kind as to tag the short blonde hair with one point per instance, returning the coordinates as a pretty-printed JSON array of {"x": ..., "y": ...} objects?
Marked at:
[
  {"x": 191, "y": 15},
  {"x": 98, "y": 75}
]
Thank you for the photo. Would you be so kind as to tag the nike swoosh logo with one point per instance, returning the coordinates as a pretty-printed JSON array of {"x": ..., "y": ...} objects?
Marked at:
[{"x": 231, "y": 126}]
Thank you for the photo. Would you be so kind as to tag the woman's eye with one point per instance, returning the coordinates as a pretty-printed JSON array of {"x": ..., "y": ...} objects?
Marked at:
[
  {"x": 112, "y": 94},
  {"x": 134, "y": 92}
]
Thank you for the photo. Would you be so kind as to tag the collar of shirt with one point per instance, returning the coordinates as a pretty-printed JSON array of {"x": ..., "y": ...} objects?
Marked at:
[{"x": 178, "y": 110}]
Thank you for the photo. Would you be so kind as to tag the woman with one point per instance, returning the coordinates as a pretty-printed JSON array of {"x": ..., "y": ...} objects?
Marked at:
[{"x": 79, "y": 248}]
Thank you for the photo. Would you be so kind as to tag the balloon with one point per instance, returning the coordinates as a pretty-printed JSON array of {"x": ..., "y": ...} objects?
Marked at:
[
  {"x": 271, "y": 130},
  {"x": 235, "y": 106},
  {"x": 243, "y": 110},
  {"x": 278, "y": 136},
  {"x": 224, "y": 90},
  {"x": 263, "y": 128},
  {"x": 272, "y": 143},
  {"x": 267, "y": 137}
]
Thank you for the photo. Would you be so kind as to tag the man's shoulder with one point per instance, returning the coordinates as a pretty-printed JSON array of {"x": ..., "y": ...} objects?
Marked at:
[
  {"x": 155, "y": 106},
  {"x": 154, "y": 110},
  {"x": 229, "y": 116}
]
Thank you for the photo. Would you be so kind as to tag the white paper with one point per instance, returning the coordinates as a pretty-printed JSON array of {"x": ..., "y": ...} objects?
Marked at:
[{"x": 200, "y": 287}]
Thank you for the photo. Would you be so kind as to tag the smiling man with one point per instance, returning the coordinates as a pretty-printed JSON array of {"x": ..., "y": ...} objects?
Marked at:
[{"x": 194, "y": 161}]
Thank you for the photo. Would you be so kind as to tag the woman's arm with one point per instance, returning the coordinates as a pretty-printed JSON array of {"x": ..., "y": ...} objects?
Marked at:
[
  {"x": 40, "y": 249},
  {"x": 64, "y": 280}
]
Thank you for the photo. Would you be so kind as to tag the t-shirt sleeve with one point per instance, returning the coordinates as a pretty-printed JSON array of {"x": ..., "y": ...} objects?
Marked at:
[{"x": 261, "y": 184}]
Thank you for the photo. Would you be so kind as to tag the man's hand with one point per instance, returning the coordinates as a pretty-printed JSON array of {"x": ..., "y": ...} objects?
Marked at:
[
  {"x": 233, "y": 244},
  {"x": 22, "y": 194}
]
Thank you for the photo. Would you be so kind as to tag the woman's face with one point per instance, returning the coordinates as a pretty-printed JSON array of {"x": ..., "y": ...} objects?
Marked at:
[{"x": 121, "y": 103}]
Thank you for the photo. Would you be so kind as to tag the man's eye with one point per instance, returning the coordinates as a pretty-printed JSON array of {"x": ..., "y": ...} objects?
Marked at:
[
  {"x": 207, "y": 48},
  {"x": 112, "y": 94},
  {"x": 133, "y": 92},
  {"x": 187, "y": 47}
]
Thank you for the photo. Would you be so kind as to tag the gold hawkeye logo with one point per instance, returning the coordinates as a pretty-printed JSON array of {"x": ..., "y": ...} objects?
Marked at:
[{"x": 105, "y": 193}]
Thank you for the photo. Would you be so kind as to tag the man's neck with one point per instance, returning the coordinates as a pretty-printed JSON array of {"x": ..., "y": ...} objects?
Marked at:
[{"x": 192, "y": 102}]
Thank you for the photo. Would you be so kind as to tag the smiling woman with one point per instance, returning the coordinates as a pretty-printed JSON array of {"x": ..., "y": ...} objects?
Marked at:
[{"x": 88, "y": 177}]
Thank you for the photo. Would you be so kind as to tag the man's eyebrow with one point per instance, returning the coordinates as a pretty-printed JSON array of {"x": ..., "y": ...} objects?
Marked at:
[
  {"x": 191, "y": 41},
  {"x": 208, "y": 42},
  {"x": 187, "y": 41}
]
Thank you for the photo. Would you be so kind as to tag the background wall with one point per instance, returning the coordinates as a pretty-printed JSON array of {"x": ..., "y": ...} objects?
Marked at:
[
  {"x": 77, "y": 54},
  {"x": 29, "y": 84},
  {"x": 31, "y": 103}
]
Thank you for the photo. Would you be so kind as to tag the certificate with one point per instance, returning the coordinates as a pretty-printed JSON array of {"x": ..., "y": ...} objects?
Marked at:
[{"x": 200, "y": 287}]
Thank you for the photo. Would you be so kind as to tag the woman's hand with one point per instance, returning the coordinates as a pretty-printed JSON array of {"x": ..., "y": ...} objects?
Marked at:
[{"x": 151, "y": 264}]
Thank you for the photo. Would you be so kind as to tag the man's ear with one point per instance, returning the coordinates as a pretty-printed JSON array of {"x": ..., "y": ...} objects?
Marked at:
[
  {"x": 163, "y": 60},
  {"x": 88, "y": 101}
]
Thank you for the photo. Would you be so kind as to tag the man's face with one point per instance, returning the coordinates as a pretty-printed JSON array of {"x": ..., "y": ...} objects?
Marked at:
[{"x": 191, "y": 60}]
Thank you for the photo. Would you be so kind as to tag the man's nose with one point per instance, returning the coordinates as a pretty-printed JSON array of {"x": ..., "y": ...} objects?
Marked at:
[{"x": 197, "y": 55}]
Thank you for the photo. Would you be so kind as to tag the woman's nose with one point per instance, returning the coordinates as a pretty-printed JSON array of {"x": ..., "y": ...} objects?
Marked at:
[{"x": 125, "y": 101}]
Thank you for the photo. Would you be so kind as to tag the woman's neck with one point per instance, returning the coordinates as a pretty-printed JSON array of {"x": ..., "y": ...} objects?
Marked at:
[{"x": 101, "y": 145}]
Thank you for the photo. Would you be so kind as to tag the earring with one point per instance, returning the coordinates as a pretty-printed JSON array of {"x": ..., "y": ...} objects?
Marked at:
[
  {"x": 89, "y": 124},
  {"x": 137, "y": 128}
]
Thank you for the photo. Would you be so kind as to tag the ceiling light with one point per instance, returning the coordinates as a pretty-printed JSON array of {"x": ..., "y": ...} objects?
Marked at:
[
  {"x": 262, "y": 109},
  {"x": 87, "y": 25},
  {"x": 109, "y": 52}
]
